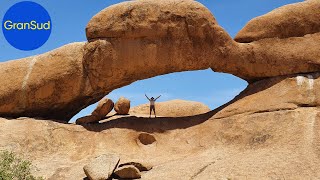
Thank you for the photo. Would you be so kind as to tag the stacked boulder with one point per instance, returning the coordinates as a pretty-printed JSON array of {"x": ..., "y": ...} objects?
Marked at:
[
  {"x": 103, "y": 108},
  {"x": 107, "y": 166},
  {"x": 122, "y": 106}
]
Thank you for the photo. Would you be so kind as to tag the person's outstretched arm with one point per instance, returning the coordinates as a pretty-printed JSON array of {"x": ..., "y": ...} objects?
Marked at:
[
  {"x": 147, "y": 97},
  {"x": 157, "y": 97}
]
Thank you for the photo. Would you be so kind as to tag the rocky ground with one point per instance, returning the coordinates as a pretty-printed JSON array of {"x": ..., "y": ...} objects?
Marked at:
[
  {"x": 271, "y": 138},
  {"x": 269, "y": 131}
]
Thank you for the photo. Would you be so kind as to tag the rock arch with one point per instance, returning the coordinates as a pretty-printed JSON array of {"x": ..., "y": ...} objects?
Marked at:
[{"x": 136, "y": 40}]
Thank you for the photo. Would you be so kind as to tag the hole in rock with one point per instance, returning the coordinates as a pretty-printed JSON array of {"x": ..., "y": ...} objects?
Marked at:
[
  {"x": 146, "y": 138},
  {"x": 205, "y": 86}
]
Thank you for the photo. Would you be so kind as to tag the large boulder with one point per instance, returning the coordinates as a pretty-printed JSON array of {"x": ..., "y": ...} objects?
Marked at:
[
  {"x": 173, "y": 108},
  {"x": 103, "y": 108},
  {"x": 122, "y": 106},
  {"x": 293, "y": 20},
  {"x": 102, "y": 167}
]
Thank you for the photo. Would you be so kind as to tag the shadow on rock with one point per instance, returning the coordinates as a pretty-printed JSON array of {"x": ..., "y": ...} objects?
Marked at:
[{"x": 151, "y": 125}]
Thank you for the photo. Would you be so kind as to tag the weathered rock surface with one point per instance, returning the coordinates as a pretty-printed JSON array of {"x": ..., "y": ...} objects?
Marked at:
[
  {"x": 122, "y": 106},
  {"x": 173, "y": 108},
  {"x": 293, "y": 20},
  {"x": 152, "y": 19},
  {"x": 102, "y": 167},
  {"x": 103, "y": 108},
  {"x": 286, "y": 93},
  {"x": 270, "y": 131},
  {"x": 143, "y": 39},
  {"x": 51, "y": 85},
  {"x": 128, "y": 172},
  {"x": 274, "y": 57}
]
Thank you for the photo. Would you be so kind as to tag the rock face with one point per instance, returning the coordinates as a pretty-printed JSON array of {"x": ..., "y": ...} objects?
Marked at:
[
  {"x": 128, "y": 172},
  {"x": 102, "y": 167},
  {"x": 103, "y": 108},
  {"x": 173, "y": 108},
  {"x": 122, "y": 106},
  {"x": 290, "y": 93},
  {"x": 51, "y": 85},
  {"x": 271, "y": 131},
  {"x": 293, "y": 20},
  {"x": 147, "y": 38}
]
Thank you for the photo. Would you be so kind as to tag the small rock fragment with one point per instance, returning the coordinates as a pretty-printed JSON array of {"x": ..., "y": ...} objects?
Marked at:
[{"x": 128, "y": 172}]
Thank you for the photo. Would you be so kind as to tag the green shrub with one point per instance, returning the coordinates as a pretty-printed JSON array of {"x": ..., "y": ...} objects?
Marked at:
[{"x": 14, "y": 168}]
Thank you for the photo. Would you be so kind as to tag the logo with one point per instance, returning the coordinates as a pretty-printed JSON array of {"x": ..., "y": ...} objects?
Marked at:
[{"x": 26, "y": 25}]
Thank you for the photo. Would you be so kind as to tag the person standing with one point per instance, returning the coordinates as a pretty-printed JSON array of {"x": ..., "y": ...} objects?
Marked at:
[{"x": 152, "y": 101}]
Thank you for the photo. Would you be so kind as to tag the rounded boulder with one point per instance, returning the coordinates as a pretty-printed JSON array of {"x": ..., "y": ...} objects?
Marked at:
[{"x": 122, "y": 106}]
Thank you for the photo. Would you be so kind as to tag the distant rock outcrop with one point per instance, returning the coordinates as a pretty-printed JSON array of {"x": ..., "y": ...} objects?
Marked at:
[{"x": 173, "y": 108}]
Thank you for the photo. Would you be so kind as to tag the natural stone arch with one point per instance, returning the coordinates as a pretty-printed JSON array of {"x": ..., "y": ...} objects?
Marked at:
[{"x": 139, "y": 43}]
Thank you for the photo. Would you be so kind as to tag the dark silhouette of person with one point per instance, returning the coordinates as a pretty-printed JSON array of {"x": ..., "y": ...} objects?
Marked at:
[{"x": 152, "y": 105}]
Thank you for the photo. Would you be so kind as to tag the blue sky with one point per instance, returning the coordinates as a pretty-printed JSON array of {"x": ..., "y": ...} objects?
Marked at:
[{"x": 69, "y": 19}]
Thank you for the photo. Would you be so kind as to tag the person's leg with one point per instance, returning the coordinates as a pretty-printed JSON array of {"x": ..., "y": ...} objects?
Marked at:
[
  {"x": 154, "y": 111},
  {"x": 150, "y": 111}
]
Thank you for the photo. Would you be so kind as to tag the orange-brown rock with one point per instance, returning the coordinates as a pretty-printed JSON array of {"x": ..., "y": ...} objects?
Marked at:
[
  {"x": 88, "y": 119},
  {"x": 286, "y": 93},
  {"x": 173, "y": 108},
  {"x": 103, "y": 108},
  {"x": 51, "y": 85},
  {"x": 184, "y": 50},
  {"x": 179, "y": 35},
  {"x": 140, "y": 166},
  {"x": 152, "y": 19},
  {"x": 122, "y": 106},
  {"x": 274, "y": 57},
  {"x": 293, "y": 20},
  {"x": 271, "y": 131},
  {"x": 128, "y": 172},
  {"x": 101, "y": 167}
]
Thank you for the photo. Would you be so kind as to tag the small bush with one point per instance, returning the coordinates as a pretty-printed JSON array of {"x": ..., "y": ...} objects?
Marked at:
[{"x": 14, "y": 168}]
